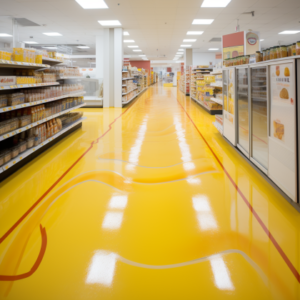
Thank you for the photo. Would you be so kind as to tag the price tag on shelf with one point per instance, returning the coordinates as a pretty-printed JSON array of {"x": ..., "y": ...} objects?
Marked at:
[
  {"x": 2, "y": 87},
  {"x": 20, "y": 130},
  {"x": 33, "y": 150},
  {"x": 6, "y": 167},
  {"x": 11, "y": 86},
  {"x": 14, "y": 162},
  {"x": 21, "y": 157},
  {"x": 14, "y": 107},
  {"x": 9, "y": 108}
]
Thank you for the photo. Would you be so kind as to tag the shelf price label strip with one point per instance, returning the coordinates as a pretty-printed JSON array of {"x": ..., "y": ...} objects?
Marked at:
[
  {"x": 9, "y": 108},
  {"x": 20, "y": 86},
  {"x": 12, "y": 133},
  {"x": 33, "y": 149}
]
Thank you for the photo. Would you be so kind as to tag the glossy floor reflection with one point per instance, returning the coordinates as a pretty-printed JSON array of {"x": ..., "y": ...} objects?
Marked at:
[{"x": 148, "y": 212}]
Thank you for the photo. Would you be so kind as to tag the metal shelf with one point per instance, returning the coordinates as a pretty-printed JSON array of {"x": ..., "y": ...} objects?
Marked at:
[
  {"x": 210, "y": 111},
  {"x": 23, "y": 86},
  {"x": 26, "y": 153},
  {"x": 52, "y": 61},
  {"x": 21, "y": 129},
  {"x": 127, "y": 78},
  {"x": 10, "y": 108},
  {"x": 21, "y": 65},
  {"x": 134, "y": 97},
  {"x": 69, "y": 77},
  {"x": 217, "y": 100},
  {"x": 129, "y": 92}
]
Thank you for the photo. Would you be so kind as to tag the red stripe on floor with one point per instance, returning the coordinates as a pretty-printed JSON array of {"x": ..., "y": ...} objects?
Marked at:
[{"x": 264, "y": 227}]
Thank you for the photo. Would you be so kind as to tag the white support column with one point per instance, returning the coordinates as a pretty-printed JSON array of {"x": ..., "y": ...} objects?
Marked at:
[
  {"x": 99, "y": 54},
  {"x": 108, "y": 76},
  {"x": 112, "y": 71},
  {"x": 188, "y": 57},
  {"x": 118, "y": 64}
]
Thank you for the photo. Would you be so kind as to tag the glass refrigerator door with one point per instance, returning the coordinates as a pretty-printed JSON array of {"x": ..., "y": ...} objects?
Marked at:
[
  {"x": 229, "y": 109},
  {"x": 243, "y": 110},
  {"x": 259, "y": 117},
  {"x": 282, "y": 139}
]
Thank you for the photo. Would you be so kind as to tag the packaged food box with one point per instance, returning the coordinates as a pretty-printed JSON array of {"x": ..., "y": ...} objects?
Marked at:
[
  {"x": 7, "y": 156},
  {"x": 15, "y": 99},
  {"x": 1, "y": 159},
  {"x": 24, "y": 120},
  {"x": 30, "y": 142},
  {"x": 7, "y": 80},
  {"x": 22, "y": 146},
  {"x": 15, "y": 151},
  {"x": 3, "y": 100}
]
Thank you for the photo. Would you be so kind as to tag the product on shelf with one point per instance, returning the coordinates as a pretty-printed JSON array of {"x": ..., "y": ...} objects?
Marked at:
[
  {"x": 60, "y": 72},
  {"x": 24, "y": 55},
  {"x": 3, "y": 100},
  {"x": 15, "y": 99},
  {"x": 5, "y": 55},
  {"x": 7, "y": 80}
]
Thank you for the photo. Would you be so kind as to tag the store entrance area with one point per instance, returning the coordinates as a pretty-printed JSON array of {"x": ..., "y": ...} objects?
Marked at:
[{"x": 146, "y": 202}]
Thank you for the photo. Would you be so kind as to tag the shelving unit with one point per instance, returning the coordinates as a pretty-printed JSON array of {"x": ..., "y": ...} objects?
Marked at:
[
  {"x": 130, "y": 100},
  {"x": 21, "y": 157},
  {"x": 15, "y": 163}
]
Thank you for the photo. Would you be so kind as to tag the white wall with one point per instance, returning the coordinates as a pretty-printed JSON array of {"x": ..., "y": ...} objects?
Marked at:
[{"x": 204, "y": 58}]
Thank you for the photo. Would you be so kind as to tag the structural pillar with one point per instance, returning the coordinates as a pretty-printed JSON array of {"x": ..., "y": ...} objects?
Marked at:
[{"x": 112, "y": 67}]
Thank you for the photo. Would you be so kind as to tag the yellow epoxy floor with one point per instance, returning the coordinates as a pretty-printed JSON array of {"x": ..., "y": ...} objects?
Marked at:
[{"x": 147, "y": 212}]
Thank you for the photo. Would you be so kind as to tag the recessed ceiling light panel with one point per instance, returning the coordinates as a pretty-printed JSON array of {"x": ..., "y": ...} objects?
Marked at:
[
  {"x": 92, "y": 4},
  {"x": 132, "y": 46},
  {"x": 30, "y": 42},
  {"x": 185, "y": 46},
  {"x": 181, "y": 50},
  {"x": 128, "y": 41},
  {"x": 215, "y": 3},
  {"x": 189, "y": 40},
  {"x": 50, "y": 48},
  {"x": 110, "y": 23},
  {"x": 261, "y": 40},
  {"x": 289, "y": 32},
  {"x": 137, "y": 50},
  {"x": 83, "y": 47},
  {"x": 125, "y": 33},
  {"x": 202, "y": 21},
  {"x": 213, "y": 49},
  {"x": 194, "y": 32},
  {"x": 52, "y": 34},
  {"x": 5, "y": 34}
]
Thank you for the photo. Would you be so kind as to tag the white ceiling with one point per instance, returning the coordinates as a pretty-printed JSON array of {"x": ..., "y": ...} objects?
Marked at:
[{"x": 157, "y": 26}]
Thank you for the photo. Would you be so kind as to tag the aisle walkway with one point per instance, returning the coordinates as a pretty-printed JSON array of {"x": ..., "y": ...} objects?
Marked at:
[{"x": 146, "y": 202}]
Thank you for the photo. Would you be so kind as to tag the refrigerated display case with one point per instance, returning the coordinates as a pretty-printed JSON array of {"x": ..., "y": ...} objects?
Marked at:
[
  {"x": 243, "y": 110},
  {"x": 229, "y": 104},
  {"x": 266, "y": 118},
  {"x": 282, "y": 126},
  {"x": 259, "y": 117}
]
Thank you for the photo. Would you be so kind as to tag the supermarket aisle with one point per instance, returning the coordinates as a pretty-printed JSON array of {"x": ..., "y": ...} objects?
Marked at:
[{"x": 137, "y": 205}]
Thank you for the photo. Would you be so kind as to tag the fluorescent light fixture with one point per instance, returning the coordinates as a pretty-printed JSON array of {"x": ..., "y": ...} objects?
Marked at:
[
  {"x": 52, "y": 34},
  {"x": 125, "y": 33},
  {"x": 5, "y": 34},
  {"x": 110, "y": 23},
  {"x": 142, "y": 55},
  {"x": 92, "y": 4},
  {"x": 128, "y": 41},
  {"x": 137, "y": 50},
  {"x": 194, "y": 32},
  {"x": 30, "y": 42},
  {"x": 83, "y": 47},
  {"x": 185, "y": 46},
  {"x": 262, "y": 40},
  {"x": 50, "y": 48},
  {"x": 132, "y": 46},
  {"x": 289, "y": 32},
  {"x": 189, "y": 40},
  {"x": 215, "y": 3},
  {"x": 202, "y": 21},
  {"x": 213, "y": 49}
]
